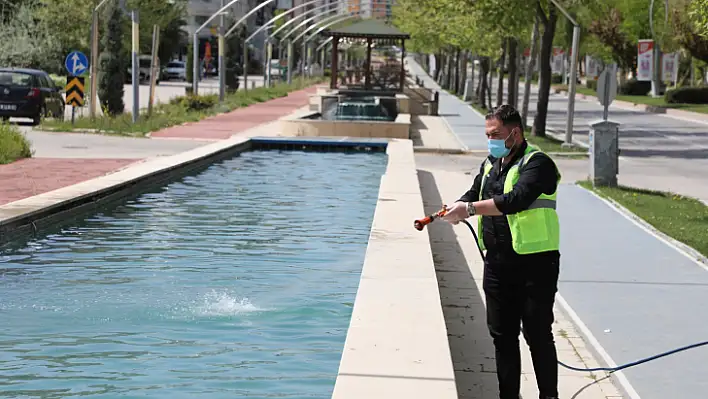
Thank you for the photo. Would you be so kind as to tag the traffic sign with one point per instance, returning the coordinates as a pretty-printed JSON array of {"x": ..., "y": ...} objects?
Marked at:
[
  {"x": 76, "y": 63},
  {"x": 75, "y": 91},
  {"x": 607, "y": 85},
  {"x": 607, "y": 88}
]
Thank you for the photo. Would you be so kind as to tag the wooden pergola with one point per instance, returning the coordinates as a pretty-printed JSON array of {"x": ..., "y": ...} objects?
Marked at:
[{"x": 370, "y": 30}]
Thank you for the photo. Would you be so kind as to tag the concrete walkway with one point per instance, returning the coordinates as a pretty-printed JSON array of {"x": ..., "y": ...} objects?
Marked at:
[
  {"x": 633, "y": 294},
  {"x": 463, "y": 120}
]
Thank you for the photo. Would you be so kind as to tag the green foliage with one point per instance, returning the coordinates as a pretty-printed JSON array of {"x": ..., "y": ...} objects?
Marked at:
[
  {"x": 112, "y": 65},
  {"x": 169, "y": 15},
  {"x": 13, "y": 144},
  {"x": 193, "y": 102},
  {"x": 234, "y": 52},
  {"x": 69, "y": 21},
  {"x": 556, "y": 78},
  {"x": 591, "y": 84},
  {"x": 699, "y": 13},
  {"x": 27, "y": 44},
  {"x": 687, "y": 95},
  {"x": 190, "y": 63}
]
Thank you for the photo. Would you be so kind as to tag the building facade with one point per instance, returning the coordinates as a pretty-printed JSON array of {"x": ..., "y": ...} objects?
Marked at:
[{"x": 199, "y": 11}]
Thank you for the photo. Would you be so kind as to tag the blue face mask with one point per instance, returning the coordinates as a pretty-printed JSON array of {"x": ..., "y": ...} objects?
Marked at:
[{"x": 497, "y": 147}]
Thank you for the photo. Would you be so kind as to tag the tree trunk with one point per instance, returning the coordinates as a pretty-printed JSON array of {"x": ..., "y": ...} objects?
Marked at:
[
  {"x": 544, "y": 84},
  {"x": 438, "y": 61},
  {"x": 513, "y": 64},
  {"x": 483, "y": 82},
  {"x": 449, "y": 77},
  {"x": 463, "y": 73},
  {"x": 500, "y": 78},
  {"x": 489, "y": 83},
  {"x": 479, "y": 94},
  {"x": 458, "y": 61},
  {"x": 471, "y": 78},
  {"x": 531, "y": 65}
]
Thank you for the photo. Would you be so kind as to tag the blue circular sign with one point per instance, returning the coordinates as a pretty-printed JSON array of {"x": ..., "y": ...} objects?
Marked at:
[{"x": 76, "y": 63}]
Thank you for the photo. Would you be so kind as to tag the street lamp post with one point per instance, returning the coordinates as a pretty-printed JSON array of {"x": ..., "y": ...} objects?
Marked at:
[{"x": 573, "y": 76}]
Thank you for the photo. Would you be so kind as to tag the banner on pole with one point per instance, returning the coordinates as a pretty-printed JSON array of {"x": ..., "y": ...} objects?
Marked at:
[
  {"x": 669, "y": 67},
  {"x": 557, "y": 60},
  {"x": 591, "y": 68},
  {"x": 645, "y": 60}
]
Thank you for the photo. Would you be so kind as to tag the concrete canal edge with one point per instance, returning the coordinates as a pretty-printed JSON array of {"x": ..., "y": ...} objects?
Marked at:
[{"x": 396, "y": 343}]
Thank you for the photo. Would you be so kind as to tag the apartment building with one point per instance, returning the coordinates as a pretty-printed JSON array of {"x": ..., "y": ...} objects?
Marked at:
[{"x": 371, "y": 8}]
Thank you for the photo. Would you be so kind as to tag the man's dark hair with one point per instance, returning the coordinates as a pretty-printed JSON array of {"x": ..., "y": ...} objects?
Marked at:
[{"x": 508, "y": 116}]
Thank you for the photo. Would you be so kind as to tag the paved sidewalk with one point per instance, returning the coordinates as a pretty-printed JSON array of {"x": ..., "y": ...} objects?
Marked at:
[
  {"x": 460, "y": 270},
  {"x": 463, "y": 120},
  {"x": 63, "y": 159},
  {"x": 224, "y": 126}
]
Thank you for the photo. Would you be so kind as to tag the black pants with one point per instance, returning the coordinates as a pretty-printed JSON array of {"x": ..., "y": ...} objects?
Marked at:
[{"x": 523, "y": 291}]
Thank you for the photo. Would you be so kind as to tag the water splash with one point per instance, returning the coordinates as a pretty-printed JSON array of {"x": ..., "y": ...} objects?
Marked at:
[{"x": 221, "y": 304}]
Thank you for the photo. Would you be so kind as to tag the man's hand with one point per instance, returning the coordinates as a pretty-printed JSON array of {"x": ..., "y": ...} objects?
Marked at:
[{"x": 456, "y": 213}]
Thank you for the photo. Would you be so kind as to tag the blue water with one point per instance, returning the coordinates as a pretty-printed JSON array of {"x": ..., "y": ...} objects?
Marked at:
[{"x": 238, "y": 282}]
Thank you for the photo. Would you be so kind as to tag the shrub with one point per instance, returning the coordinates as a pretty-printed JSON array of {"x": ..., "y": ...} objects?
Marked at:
[
  {"x": 556, "y": 79},
  {"x": 112, "y": 67},
  {"x": 195, "y": 103},
  {"x": 13, "y": 144},
  {"x": 687, "y": 95},
  {"x": 635, "y": 87},
  {"x": 591, "y": 84}
]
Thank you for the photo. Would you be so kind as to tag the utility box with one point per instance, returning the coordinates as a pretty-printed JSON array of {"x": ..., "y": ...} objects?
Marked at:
[{"x": 604, "y": 153}]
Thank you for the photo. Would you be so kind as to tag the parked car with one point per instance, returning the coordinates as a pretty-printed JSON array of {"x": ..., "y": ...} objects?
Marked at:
[
  {"x": 175, "y": 70},
  {"x": 29, "y": 93},
  {"x": 144, "y": 63}
]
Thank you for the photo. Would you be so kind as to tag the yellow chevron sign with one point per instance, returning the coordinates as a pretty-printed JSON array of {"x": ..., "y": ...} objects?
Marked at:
[{"x": 74, "y": 91}]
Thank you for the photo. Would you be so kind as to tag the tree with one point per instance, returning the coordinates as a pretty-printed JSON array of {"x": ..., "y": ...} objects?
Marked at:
[
  {"x": 169, "y": 15},
  {"x": 699, "y": 12},
  {"x": 548, "y": 22},
  {"x": 234, "y": 50},
  {"x": 26, "y": 44},
  {"x": 190, "y": 63},
  {"x": 70, "y": 20},
  {"x": 533, "y": 56},
  {"x": 112, "y": 65}
]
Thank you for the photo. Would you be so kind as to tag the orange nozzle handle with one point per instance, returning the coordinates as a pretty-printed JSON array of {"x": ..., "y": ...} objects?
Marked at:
[{"x": 421, "y": 223}]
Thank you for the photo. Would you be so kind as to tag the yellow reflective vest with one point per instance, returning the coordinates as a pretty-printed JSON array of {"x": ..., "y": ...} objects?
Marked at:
[{"x": 535, "y": 229}]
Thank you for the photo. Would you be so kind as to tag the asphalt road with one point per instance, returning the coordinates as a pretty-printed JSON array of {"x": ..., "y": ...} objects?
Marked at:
[{"x": 658, "y": 152}]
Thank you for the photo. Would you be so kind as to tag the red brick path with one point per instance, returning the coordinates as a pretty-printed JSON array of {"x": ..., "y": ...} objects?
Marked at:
[
  {"x": 33, "y": 176},
  {"x": 224, "y": 126}
]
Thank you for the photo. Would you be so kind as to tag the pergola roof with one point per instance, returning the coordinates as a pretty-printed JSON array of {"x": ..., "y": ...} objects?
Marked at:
[{"x": 368, "y": 29}]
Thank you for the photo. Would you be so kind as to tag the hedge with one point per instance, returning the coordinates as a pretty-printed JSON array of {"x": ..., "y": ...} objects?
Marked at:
[
  {"x": 635, "y": 87},
  {"x": 687, "y": 95}
]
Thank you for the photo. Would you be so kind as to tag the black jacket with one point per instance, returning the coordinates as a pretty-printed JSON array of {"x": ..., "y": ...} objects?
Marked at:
[{"x": 538, "y": 176}]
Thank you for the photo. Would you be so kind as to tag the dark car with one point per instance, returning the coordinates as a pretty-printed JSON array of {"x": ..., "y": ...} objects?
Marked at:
[{"x": 29, "y": 93}]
